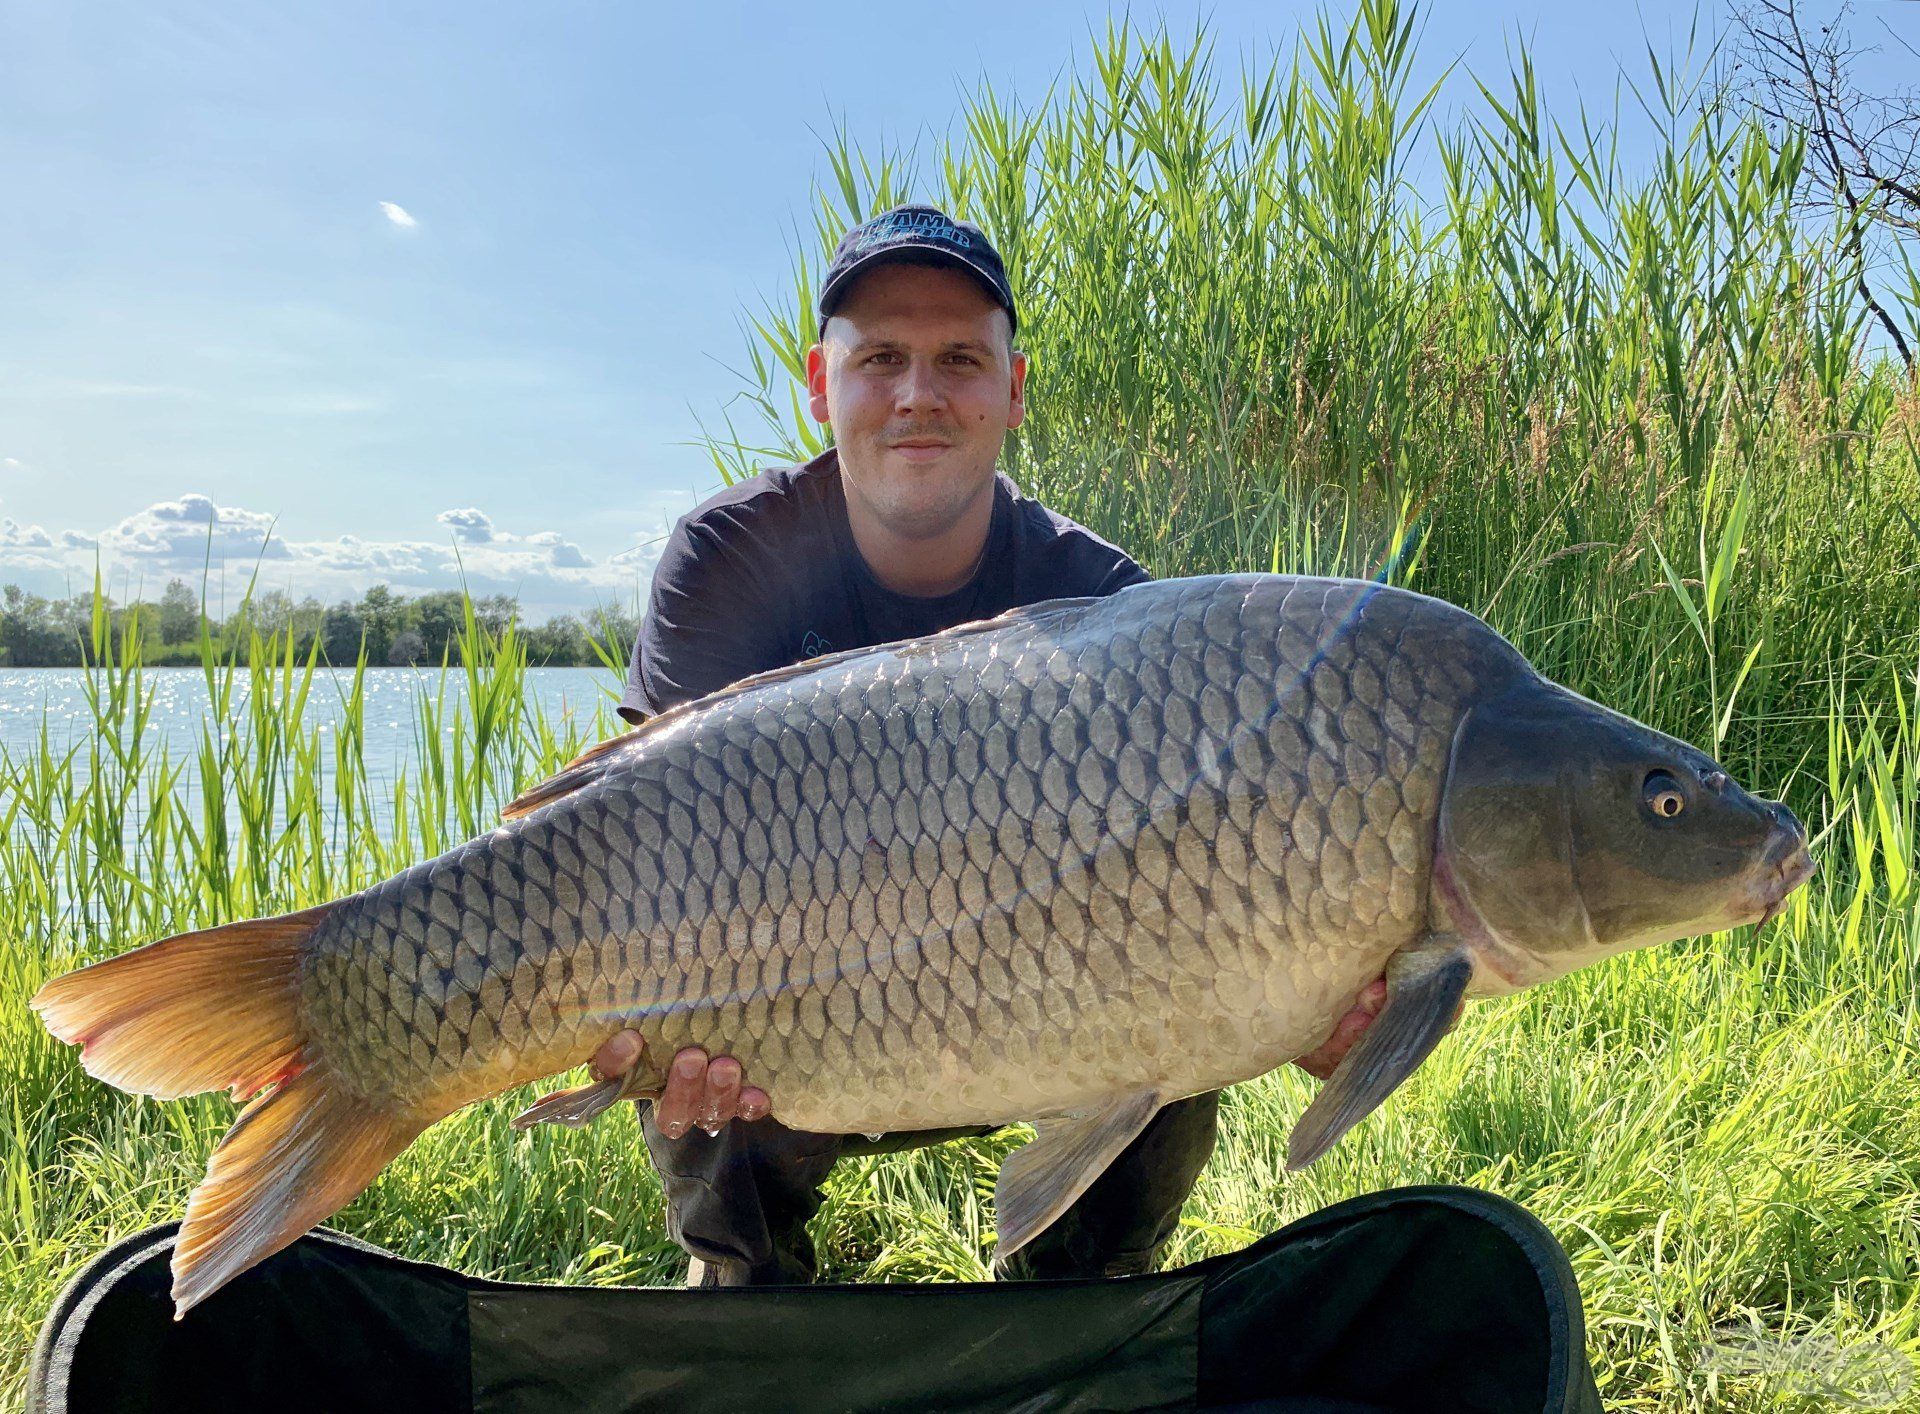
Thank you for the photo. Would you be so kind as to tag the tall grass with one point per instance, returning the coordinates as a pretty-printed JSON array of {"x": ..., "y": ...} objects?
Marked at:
[
  {"x": 1627, "y": 415},
  {"x": 1257, "y": 342}
]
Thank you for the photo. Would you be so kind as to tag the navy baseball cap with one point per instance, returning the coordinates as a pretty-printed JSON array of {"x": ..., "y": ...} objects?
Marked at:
[{"x": 914, "y": 233}]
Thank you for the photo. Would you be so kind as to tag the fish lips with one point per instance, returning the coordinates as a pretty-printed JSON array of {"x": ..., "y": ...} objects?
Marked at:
[{"x": 1785, "y": 865}]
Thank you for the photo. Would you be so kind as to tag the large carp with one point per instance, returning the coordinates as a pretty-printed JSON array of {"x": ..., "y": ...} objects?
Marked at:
[{"x": 1068, "y": 864}]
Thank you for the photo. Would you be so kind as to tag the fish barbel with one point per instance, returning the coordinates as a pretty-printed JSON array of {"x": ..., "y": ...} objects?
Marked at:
[{"x": 1066, "y": 865}]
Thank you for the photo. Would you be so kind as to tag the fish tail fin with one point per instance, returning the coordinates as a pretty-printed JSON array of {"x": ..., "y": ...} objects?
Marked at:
[
  {"x": 296, "y": 1156},
  {"x": 217, "y": 1009},
  {"x": 220, "y": 1009}
]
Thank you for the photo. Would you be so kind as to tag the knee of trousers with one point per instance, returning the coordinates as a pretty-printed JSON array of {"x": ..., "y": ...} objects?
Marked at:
[
  {"x": 739, "y": 1195},
  {"x": 1124, "y": 1220}
]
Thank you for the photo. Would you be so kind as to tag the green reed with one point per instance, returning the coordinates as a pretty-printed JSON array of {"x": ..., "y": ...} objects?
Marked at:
[
  {"x": 1288, "y": 320},
  {"x": 1291, "y": 319}
]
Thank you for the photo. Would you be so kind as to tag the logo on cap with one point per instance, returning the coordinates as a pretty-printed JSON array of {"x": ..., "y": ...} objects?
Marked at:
[{"x": 918, "y": 225}]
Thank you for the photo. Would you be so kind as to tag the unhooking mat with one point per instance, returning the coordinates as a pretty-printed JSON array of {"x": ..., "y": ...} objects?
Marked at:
[{"x": 1433, "y": 1298}]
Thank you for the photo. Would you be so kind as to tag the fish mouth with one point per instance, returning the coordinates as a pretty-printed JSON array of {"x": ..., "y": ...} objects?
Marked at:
[{"x": 1786, "y": 876}]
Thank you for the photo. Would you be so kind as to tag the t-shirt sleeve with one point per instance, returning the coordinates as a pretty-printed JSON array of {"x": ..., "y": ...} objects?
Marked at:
[
  {"x": 706, "y": 624},
  {"x": 1121, "y": 573},
  {"x": 1096, "y": 568},
  {"x": 1066, "y": 560}
]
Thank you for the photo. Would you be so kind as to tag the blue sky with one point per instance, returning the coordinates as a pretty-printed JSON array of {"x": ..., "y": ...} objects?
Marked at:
[{"x": 209, "y": 313}]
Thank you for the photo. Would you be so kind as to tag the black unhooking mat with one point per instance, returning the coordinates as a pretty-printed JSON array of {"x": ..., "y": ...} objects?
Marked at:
[{"x": 1431, "y": 1298}]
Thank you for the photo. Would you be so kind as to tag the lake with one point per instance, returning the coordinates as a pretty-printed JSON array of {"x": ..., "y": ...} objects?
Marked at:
[{"x": 57, "y": 697}]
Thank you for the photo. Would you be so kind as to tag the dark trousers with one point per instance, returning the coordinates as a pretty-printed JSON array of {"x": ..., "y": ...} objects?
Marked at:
[{"x": 740, "y": 1202}]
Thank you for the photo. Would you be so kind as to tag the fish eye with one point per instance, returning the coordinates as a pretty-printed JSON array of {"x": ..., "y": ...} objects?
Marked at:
[{"x": 1661, "y": 792}]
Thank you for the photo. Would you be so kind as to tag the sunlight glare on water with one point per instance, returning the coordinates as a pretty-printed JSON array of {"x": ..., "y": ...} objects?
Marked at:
[{"x": 57, "y": 699}]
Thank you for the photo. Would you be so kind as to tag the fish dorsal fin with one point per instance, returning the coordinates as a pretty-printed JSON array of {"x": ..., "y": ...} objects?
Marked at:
[
  {"x": 1039, "y": 1181},
  {"x": 570, "y": 777},
  {"x": 590, "y": 764}
]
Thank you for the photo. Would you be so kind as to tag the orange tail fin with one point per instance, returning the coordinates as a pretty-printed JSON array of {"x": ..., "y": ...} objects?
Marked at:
[
  {"x": 294, "y": 1158},
  {"x": 202, "y": 1011},
  {"x": 214, "y": 1010}
]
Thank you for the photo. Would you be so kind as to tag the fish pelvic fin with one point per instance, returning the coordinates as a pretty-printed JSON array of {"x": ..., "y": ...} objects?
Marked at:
[
  {"x": 294, "y": 1157},
  {"x": 212, "y": 1010},
  {"x": 581, "y": 1105},
  {"x": 1040, "y": 1180}
]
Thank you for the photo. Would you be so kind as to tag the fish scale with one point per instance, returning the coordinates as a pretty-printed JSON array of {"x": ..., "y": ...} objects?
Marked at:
[{"x": 1162, "y": 836}]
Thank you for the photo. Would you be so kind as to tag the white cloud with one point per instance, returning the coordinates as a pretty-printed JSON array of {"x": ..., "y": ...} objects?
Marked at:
[
  {"x": 319, "y": 402},
  {"x": 543, "y": 569},
  {"x": 182, "y": 533},
  {"x": 26, "y": 547},
  {"x": 13, "y": 463},
  {"x": 399, "y": 215},
  {"x": 107, "y": 388},
  {"x": 645, "y": 552},
  {"x": 471, "y": 525},
  {"x": 15, "y": 536},
  {"x": 371, "y": 560}
]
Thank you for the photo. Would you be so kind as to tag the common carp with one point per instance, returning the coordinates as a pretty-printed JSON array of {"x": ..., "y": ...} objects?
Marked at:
[{"x": 1067, "y": 865}]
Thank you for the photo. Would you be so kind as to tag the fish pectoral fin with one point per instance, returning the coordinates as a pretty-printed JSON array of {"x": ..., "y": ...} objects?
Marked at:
[
  {"x": 583, "y": 1104},
  {"x": 1040, "y": 1180},
  {"x": 1425, "y": 983}
]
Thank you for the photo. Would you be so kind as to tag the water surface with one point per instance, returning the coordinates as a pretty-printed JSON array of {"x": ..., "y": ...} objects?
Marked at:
[{"x": 57, "y": 699}]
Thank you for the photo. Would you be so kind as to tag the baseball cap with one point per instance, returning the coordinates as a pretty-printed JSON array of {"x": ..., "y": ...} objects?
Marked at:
[{"x": 912, "y": 232}]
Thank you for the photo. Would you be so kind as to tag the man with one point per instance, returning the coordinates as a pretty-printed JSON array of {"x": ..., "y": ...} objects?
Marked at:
[{"x": 902, "y": 529}]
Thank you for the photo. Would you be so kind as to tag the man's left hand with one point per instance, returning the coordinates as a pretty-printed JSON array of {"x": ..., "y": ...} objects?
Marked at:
[{"x": 699, "y": 1094}]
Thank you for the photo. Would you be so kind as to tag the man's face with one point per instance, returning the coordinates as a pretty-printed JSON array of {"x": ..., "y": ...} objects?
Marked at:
[{"x": 919, "y": 382}]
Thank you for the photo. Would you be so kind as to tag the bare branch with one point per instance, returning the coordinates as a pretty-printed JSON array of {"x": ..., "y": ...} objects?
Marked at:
[{"x": 1863, "y": 150}]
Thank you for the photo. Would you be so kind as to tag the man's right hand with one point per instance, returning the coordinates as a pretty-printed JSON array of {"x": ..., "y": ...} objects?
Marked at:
[{"x": 698, "y": 1092}]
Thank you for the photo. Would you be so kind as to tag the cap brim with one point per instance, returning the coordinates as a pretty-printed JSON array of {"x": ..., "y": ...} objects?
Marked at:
[{"x": 906, "y": 253}]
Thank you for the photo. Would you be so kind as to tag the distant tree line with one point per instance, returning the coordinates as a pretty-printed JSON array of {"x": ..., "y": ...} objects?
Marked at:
[{"x": 397, "y": 629}]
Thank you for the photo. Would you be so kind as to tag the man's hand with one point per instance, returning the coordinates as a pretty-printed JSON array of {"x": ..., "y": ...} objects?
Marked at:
[
  {"x": 1320, "y": 1064},
  {"x": 698, "y": 1092}
]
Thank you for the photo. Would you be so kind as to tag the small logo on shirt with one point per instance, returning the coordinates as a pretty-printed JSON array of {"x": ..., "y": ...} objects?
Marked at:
[{"x": 813, "y": 645}]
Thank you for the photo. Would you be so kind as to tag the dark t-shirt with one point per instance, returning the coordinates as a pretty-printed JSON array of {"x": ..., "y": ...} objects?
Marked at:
[{"x": 766, "y": 573}]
